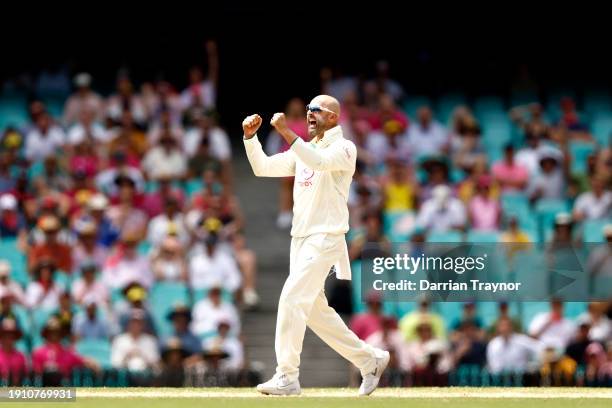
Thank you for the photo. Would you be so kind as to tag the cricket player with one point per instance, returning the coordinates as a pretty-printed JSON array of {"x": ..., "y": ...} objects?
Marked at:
[{"x": 323, "y": 170}]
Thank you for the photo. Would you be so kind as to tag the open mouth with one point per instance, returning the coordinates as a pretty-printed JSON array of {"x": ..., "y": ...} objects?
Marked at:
[{"x": 312, "y": 123}]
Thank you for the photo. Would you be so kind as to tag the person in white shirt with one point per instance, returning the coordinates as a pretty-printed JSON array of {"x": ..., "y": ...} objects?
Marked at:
[
  {"x": 42, "y": 292},
  {"x": 83, "y": 99},
  {"x": 551, "y": 328},
  {"x": 125, "y": 265},
  {"x": 442, "y": 212},
  {"x": 87, "y": 129},
  {"x": 7, "y": 285},
  {"x": 426, "y": 136},
  {"x": 511, "y": 352},
  {"x": 165, "y": 159},
  {"x": 529, "y": 156},
  {"x": 595, "y": 204},
  {"x": 219, "y": 144},
  {"x": 214, "y": 264},
  {"x": 323, "y": 170},
  {"x": 170, "y": 222},
  {"x": 135, "y": 349},
  {"x": 210, "y": 311},
  {"x": 44, "y": 139},
  {"x": 230, "y": 344},
  {"x": 600, "y": 326},
  {"x": 203, "y": 91}
]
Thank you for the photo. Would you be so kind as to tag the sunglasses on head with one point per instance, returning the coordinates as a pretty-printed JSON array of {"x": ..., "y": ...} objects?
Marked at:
[{"x": 313, "y": 107}]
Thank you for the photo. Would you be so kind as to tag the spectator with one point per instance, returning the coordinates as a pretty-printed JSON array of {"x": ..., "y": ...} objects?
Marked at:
[
  {"x": 366, "y": 324},
  {"x": 385, "y": 112},
  {"x": 371, "y": 242},
  {"x": 600, "y": 326},
  {"x": 169, "y": 223},
  {"x": 87, "y": 129},
  {"x": 107, "y": 180},
  {"x": 90, "y": 325},
  {"x": 385, "y": 83},
  {"x": 7, "y": 311},
  {"x": 429, "y": 356},
  {"x": 65, "y": 314},
  {"x": 400, "y": 191},
  {"x": 203, "y": 160},
  {"x": 12, "y": 223},
  {"x": 53, "y": 358},
  {"x": 125, "y": 265},
  {"x": 44, "y": 139},
  {"x": 562, "y": 233},
  {"x": 166, "y": 158},
  {"x": 214, "y": 264},
  {"x": 135, "y": 350},
  {"x": 87, "y": 249},
  {"x": 442, "y": 212},
  {"x": 125, "y": 101},
  {"x": 595, "y": 204},
  {"x": 484, "y": 211},
  {"x": 202, "y": 92},
  {"x": 129, "y": 138},
  {"x": 508, "y": 173},
  {"x": 551, "y": 328},
  {"x": 124, "y": 215},
  {"x": 208, "y": 312},
  {"x": 437, "y": 173},
  {"x": 595, "y": 364},
  {"x": 510, "y": 351},
  {"x": 59, "y": 253},
  {"x": 426, "y": 136},
  {"x": 43, "y": 292},
  {"x": 467, "y": 146},
  {"x": 82, "y": 100},
  {"x": 88, "y": 287},
  {"x": 180, "y": 316},
  {"x": 168, "y": 262},
  {"x": 468, "y": 346},
  {"x": 576, "y": 349},
  {"x": 550, "y": 182},
  {"x": 247, "y": 262},
  {"x": 13, "y": 366},
  {"x": 107, "y": 234},
  {"x": 391, "y": 140},
  {"x": 229, "y": 344},
  {"x": 409, "y": 323},
  {"x": 529, "y": 156},
  {"x": 599, "y": 262},
  {"x": 9, "y": 286},
  {"x": 173, "y": 355},
  {"x": 135, "y": 299},
  {"x": 388, "y": 337},
  {"x": 514, "y": 234},
  {"x": 504, "y": 313},
  {"x": 469, "y": 315}
]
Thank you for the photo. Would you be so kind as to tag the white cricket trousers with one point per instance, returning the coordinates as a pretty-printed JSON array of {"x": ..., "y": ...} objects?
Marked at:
[{"x": 303, "y": 303}]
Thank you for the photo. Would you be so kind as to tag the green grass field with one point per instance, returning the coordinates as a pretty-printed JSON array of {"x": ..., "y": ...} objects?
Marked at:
[{"x": 339, "y": 397}]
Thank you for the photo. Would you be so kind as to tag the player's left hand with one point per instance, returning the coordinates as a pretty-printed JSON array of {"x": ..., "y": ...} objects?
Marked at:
[{"x": 279, "y": 121}]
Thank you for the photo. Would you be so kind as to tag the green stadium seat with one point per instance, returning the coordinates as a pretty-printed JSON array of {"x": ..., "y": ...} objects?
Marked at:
[
  {"x": 546, "y": 210},
  {"x": 163, "y": 297},
  {"x": 485, "y": 104},
  {"x": 580, "y": 152},
  {"x": 572, "y": 310},
  {"x": 96, "y": 349},
  {"x": 413, "y": 103},
  {"x": 597, "y": 102},
  {"x": 592, "y": 231},
  {"x": 398, "y": 225},
  {"x": 17, "y": 260},
  {"x": 482, "y": 237},
  {"x": 601, "y": 128},
  {"x": 530, "y": 309},
  {"x": 446, "y": 104},
  {"x": 54, "y": 105},
  {"x": 445, "y": 236},
  {"x": 144, "y": 247}
]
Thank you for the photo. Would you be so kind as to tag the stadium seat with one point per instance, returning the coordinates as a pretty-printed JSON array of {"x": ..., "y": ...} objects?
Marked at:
[
  {"x": 144, "y": 247},
  {"x": 489, "y": 104},
  {"x": 528, "y": 311},
  {"x": 413, "y": 103},
  {"x": 163, "y": 297},
  {"x": 597, "y": 102},
  {"x": 358, "y": 305},
  {"x": 546, "y": 210},
  {"x": 482, "y": 237},
  {"x": 398, "y": 225},
  {"x": 54, "y": 105},
  {"x": 446, "y": 104},
  {"x": 580, "y": 152},
  {"x": 592, "y": 231},
  {"x": 96, "y": 349},
  {"x": 17, "y": 260},
  {"x": 445, "y": 236},
  {"x": 601, "y": 128}
]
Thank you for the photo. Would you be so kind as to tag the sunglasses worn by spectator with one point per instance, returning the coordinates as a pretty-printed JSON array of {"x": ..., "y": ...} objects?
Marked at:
[{"x": 317, "y": 108}]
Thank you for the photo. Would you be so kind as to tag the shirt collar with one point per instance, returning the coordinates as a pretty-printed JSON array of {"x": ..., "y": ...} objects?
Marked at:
[{"x": 330, "y": 135}]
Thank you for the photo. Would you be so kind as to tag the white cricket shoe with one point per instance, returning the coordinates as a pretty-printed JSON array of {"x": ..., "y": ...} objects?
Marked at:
[
  {"x": 280, "y": 385},
  {"x": 370, "y": 380}
]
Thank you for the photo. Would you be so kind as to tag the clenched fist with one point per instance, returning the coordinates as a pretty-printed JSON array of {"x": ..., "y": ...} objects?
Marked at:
[
  {"x": 251, "y": 124},
  {"x": 279, "y": 122}
]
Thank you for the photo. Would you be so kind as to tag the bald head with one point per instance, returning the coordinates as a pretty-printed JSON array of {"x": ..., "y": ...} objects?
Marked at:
[
  {"x": 328, "y": 102},
  {"x": 321, "y": 121}
]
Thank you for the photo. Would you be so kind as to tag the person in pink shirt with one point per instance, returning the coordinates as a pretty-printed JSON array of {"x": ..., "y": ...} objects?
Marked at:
[
  {"x": 54, "y": 357},
  {"x": 13, "y": 367},
  {"x": 370, "y": 322},
  {"x": 511, "y": 175},
  {"x": 484, "y": 211}
]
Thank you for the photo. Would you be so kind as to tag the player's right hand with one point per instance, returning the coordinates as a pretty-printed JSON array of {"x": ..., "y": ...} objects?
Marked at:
[{"x": 251, "y": 124}]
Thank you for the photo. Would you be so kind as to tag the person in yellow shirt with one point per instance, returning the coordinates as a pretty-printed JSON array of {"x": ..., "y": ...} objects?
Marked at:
[{"x": 399, "y": 190}]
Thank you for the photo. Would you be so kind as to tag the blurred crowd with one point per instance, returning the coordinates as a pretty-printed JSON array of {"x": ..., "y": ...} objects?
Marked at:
[{"x": 121, "y": 238}]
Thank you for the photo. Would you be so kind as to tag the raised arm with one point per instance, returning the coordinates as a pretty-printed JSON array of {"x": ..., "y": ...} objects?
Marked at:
[{"x": 278, "y": 165}]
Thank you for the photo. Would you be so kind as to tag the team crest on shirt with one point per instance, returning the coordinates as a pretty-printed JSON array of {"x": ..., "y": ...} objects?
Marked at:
[
  {"x": 348, "y": 153},
  {"x": 304, "y": 178}
]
